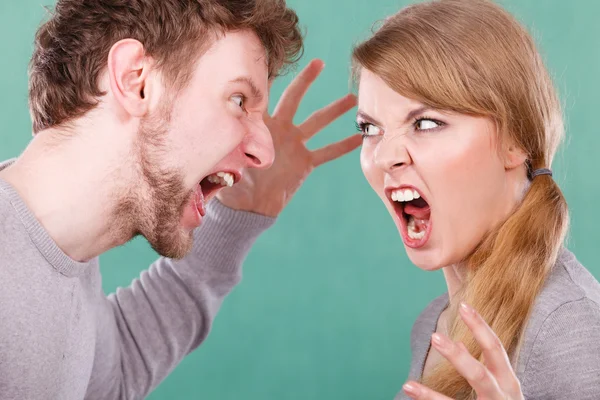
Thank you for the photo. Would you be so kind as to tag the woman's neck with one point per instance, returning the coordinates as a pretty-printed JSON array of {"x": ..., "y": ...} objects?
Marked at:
[{"x": 455, "y": 275}]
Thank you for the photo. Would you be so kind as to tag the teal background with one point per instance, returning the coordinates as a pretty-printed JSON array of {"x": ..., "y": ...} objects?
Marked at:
[{"x": 328, "y": 296}]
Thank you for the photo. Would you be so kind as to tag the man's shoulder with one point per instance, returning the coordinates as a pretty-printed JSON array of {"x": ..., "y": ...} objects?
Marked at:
[
  {"x": 13, "y": 233},
  {"x": 8, "y": 215}
]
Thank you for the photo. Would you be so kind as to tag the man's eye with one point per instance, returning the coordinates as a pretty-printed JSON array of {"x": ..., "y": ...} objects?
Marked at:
[{"x": 240, "y": 100}]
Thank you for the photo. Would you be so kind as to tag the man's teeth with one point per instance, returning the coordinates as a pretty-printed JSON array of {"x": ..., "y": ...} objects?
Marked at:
[
  {"x": 412, "y": 229},
  {"x": 221, "y": 178},
  {"x": 402, "y": 195}
]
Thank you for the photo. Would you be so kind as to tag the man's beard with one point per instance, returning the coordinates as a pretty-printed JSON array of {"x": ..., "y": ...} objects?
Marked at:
[{"x": 154, "y": 207}]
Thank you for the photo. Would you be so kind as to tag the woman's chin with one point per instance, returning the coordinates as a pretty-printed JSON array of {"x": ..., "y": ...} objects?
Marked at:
[{"x": 425, "y": 259}]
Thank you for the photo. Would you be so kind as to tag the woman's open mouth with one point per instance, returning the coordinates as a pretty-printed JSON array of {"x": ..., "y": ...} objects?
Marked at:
[{"x": 414, "y": 215}]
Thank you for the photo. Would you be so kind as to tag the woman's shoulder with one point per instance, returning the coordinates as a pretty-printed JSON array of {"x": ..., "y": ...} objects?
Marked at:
[
  {"x": 579, "y": 279},
  {"x": 560, "y": 352},
  {"x": 426, "y": 322},
  {"x": 422, "y": 330},
  {"x": 568, "y": 282}
]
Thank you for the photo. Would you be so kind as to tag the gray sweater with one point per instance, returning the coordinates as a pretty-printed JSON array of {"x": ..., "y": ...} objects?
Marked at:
[
  {"x": 61, "y": 338},
  {"x": 560, "y": 355}
]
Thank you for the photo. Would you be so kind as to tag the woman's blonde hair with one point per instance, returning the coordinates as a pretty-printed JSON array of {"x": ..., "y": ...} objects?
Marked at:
[{"x": 473, "y": 57}]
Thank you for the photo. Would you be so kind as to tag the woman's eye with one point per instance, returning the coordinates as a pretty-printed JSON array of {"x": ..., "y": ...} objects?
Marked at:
[
  {"x": 368, "y": 129},
  {"x": 425, "y": 124},
  {"x": 239, "y": 100}
]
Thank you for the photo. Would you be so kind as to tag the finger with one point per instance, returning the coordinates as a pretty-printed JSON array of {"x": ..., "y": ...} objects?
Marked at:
[
  {"x": 462, "y": 346},
  {"x": 417, "y": 391},
  {"x": 496, "y": 358},
  {"x": 326, "y": 115},
  {"x": 335, "y": 150},
  {"x": 266, "y": 115},
  {"x": 290, "y": 99},
  {"x": 478, "y": 376},
  {"x": 266, "y": 118}
]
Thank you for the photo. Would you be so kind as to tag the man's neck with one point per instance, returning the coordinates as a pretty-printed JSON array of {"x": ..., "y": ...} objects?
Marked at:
[{"x": 72, "y": 191}]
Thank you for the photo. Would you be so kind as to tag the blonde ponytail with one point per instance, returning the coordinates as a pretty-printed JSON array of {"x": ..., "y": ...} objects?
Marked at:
[{"x": 505, "y": 275}]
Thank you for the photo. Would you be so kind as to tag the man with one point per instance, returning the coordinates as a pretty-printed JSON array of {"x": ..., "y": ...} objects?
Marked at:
[{"x": 142, "y": 111}]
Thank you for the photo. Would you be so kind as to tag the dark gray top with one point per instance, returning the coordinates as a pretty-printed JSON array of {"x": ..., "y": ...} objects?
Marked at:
[{"x": 560, "y": 354}]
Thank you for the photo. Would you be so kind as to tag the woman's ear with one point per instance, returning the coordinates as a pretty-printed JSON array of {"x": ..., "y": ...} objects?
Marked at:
[{"x": 514, "y": 156}]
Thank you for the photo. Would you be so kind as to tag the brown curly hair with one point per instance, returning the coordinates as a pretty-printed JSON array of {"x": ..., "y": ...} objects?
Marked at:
[{"x": 72, "y": 47}]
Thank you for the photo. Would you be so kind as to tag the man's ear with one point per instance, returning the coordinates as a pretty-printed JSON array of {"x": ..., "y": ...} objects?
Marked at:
[
  {"x": 128, "y": 73},
  {"x": 514, "y": 156}
]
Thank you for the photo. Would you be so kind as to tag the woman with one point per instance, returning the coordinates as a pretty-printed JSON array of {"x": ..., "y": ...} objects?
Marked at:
[{"x": 461, "y": 123}]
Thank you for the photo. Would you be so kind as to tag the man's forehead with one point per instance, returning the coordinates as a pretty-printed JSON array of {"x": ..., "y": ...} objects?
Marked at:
[
  {"x": 246, "y": 42},
  {"x": 237, "y": 54}
]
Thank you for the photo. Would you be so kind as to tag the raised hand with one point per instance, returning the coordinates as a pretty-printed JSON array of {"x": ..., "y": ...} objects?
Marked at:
[
  {"x": 268, "y": 191},
  {"x": 492, "y": 380}
]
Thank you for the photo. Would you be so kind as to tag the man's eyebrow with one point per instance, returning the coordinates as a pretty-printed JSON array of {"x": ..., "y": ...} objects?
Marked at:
[{"x": 256, "y": 93}]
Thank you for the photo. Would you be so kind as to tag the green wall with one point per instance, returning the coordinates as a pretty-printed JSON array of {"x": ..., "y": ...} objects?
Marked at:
[{"x": 328, "y": 296}]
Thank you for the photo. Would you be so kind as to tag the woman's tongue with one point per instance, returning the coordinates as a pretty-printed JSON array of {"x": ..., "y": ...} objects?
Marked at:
[
  {"x": 417, "y": 212},
  {"x": 418, "y": 220}
]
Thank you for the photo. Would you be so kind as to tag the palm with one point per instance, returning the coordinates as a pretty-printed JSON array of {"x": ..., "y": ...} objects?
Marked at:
[{"x": 268, "y": 191}]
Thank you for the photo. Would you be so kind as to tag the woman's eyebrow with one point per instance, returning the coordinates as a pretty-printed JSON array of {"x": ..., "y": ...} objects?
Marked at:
[
  {"x": 409, "y": 117},
  {"x": 414, "y": 113},
  {"x": 364, "y": 116}
]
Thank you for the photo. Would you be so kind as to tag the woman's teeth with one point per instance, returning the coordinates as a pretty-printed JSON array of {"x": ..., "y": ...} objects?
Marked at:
[
  {"x": 415, "y": 226},
  {"x": 402, "y": 195},
  {"x": 221, "y": 178}
]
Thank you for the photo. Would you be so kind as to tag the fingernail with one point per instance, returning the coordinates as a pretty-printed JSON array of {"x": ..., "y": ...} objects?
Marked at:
[
  {"x": 411, "y": 390},
  {"x": 440, "y": 342},
  {"x": 467, "y": 308}
]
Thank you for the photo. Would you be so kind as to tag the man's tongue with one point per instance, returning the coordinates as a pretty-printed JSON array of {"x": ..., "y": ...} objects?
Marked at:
[
  {"x": 194, "y": 210},
  {"x": 199, "y": 200}
]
